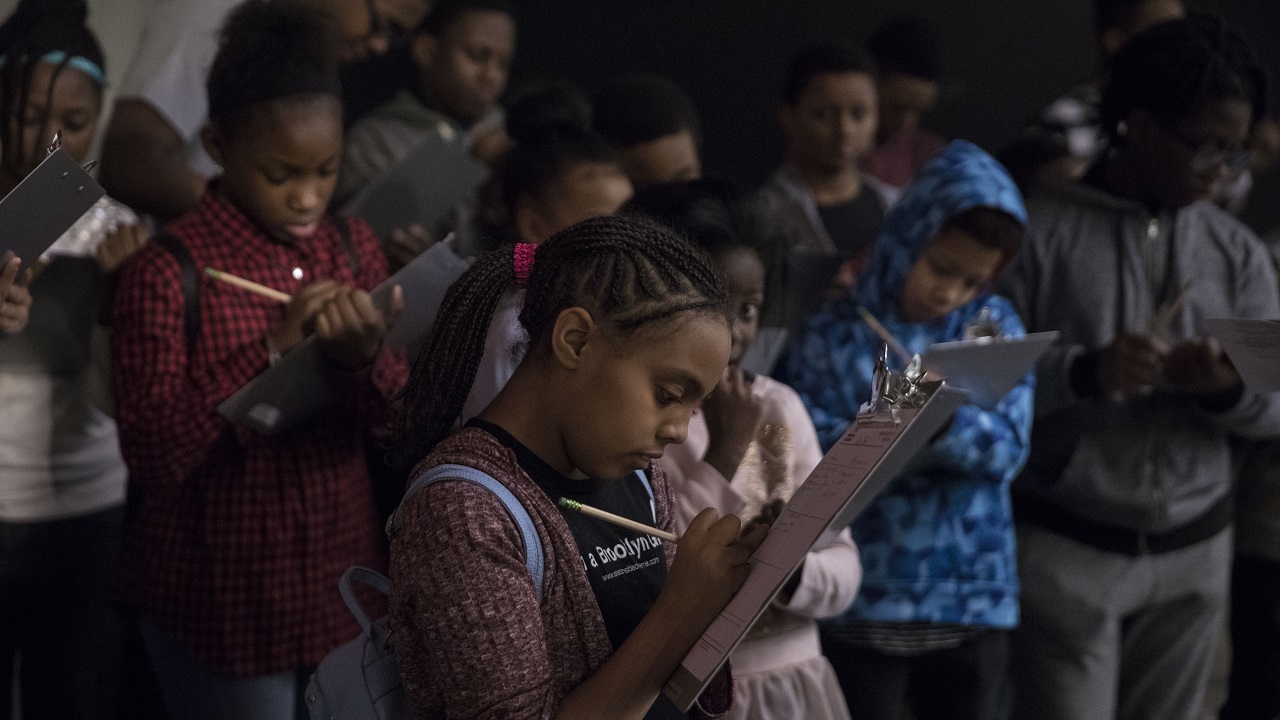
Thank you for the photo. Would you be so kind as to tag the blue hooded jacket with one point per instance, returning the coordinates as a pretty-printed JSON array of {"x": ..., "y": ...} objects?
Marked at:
[{"x": 938, "y": 544}]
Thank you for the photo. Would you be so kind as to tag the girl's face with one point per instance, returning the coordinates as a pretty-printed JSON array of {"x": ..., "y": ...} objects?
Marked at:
[
  {"x": 743, "y": 274},
  {"x": 72, "y": 108},
  {"x": 632, "y": 396},
  {"x": 585, "y": 191},
  {"x": 950, "y": 272},
  {"x": 281, "y": 165}
]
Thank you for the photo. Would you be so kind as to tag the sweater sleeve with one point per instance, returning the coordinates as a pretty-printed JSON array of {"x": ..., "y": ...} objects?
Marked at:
[
  {"x": 991, "y": 444},
  {"x": 458, "y": 572},
  {"x": 829, "y": 580}
]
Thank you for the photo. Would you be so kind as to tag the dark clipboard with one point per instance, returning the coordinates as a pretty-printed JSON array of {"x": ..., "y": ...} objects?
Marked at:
[
  {"x": 44, "y": 205},
  {"x": 423, "y": 188},
  {"x": 300, "y": 385}
]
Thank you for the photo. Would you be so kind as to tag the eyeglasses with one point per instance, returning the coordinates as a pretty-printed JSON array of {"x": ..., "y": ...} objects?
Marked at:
[{"x": 1207, "y": 157}]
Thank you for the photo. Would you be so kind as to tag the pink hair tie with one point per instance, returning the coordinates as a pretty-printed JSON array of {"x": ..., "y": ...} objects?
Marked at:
[{"x": 523, "y": 259}]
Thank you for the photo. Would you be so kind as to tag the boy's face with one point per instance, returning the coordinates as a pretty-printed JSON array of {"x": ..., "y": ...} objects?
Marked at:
[
  {"x": 949, "y": 273},
  {"x": 743, "y": 274},
  {"x": 904, "y": 100},
  {"x": 1185, "y": 163},
  {"x": 832, "y": 122},
  {"x": 585, "y": 191},
  {"x": 670, "y": 158},
  {"x": 71, "y": 106},
  {"x": 465, "y": 69},
  {"x": 281, "y": 164},
  {"x": 371, "y": 26}
]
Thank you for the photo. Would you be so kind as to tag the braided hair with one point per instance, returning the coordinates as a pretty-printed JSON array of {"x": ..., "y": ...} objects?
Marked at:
[
  {"x": 40, "y": 29},
  {"x": 1174, "y": 69},
  {"x": 628, "y": 272}
]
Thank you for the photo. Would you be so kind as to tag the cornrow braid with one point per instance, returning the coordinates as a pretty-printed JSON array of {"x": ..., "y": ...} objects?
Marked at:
[{"x": 628, "y": 272}]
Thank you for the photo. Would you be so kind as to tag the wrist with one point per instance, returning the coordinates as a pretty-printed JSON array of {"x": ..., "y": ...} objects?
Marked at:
[{"x": 725, "y": 457}]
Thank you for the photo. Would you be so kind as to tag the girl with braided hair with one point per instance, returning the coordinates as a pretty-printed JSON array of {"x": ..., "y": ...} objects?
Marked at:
[{"x": 628, "y": 332}]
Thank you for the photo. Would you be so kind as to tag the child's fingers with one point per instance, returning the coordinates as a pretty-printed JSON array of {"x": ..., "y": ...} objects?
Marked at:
[
  {"x": 391, "y": 314},
  {"x": 367, "y": 315},
  {"x": 701, "y": 523},
  {"x": 751, "y": 538},
  {"x": 725, "y": 530},
  {"x": 324, "y": 329},
  {"x": 9, "y": 273}
]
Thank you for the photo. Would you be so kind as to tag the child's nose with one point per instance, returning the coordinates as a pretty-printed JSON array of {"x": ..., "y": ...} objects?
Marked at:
[{"x": 306, "y": 197}]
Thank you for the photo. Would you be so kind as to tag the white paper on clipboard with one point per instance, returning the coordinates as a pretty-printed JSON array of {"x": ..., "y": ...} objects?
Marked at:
[
  {"x": 989, "y": 367},
  {"x": 870, "y": 454},
  {"x": 298, "y": 386},
  {"x": 1254, "y": 348},
  {"x": 44, "y": 205}
]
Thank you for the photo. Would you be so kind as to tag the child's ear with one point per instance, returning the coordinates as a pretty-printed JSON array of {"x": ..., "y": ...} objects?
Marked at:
[
  {"x": 214, "y": 144},
  {"x": 530, "y": 225},
  {"x": 569, "y": 337}
]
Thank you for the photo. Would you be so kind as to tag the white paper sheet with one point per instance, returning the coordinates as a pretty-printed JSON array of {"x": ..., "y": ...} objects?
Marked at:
[
  {"x": 988, "y": 368},
  {"x": 1254, "y": 348},
  {"x": 869, "y": 455}
]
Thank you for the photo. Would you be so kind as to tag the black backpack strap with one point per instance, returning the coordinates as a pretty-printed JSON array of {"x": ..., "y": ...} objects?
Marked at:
[
  {"x": 190, "y": 288},
  {"x": 344, "y": 234}
]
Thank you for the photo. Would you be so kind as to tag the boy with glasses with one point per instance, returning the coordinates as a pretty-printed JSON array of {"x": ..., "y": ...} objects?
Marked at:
[{"x": 1123, "y": 511}]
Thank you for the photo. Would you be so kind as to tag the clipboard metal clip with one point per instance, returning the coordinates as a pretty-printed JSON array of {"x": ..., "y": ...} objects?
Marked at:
[
  {"x": 983, "y": 327},
  {"x": 55, "y": 144},
  {"x": 891, "y": 392}
]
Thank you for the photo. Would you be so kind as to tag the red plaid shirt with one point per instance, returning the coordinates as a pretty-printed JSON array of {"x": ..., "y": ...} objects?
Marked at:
[{"x": 240, "y": 538}]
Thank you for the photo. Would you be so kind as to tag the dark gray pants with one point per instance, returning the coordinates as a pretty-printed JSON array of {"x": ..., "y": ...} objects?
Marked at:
[
  {"x": 55, "y": 613},
  {"x": 1105, "y": 635}
]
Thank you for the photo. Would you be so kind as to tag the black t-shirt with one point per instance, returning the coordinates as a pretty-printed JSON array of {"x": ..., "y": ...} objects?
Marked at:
[
  {"x": 854, "y": 225},
  {"x": 625, "y": 568}
]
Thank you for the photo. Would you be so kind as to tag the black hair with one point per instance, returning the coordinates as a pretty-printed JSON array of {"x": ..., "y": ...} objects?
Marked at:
[
  {"x": 906, "y": 45},
  {"x": 36, "y": 29},
  {"x": 708, "y": 211},
  {"x": 444, "y": 15},
  {"x": 271, "y": 49},
  {"x": 819, "y": 59},
  {"x": 1116, "y": 13},
  {"x": 639, "y": 108},
  {"x": 628, "y": 272},
  {"x": 991, "y": 227},
  {"x": 1175, "y": 68},
  {"x": 551, "y": 127}
]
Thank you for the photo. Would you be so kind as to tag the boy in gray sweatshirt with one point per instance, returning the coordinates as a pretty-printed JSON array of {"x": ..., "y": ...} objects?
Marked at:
[{"x": 1124, "y": 506}]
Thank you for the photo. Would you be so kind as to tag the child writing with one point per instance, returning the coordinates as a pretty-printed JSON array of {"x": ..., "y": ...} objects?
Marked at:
[
  {"x": 559, "y": 173},
  {"x": 747, "y": 449},
  {"x": 939, "y": 589},
  {"x": 63, "y": 481},
  {"x": 240, "y": 538},
  {"x": 628, "y": 333}
]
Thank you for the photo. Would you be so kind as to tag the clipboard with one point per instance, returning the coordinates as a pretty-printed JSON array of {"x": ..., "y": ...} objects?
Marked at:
[
  {"x": 988, "y": 368},
  {"x": 299, "y": 386},
  {"x": 423, "y": 188},
  {"x": 1254, "y": 348},
  {"x": 45, "y": 205},
  {"x": 875, "y": 449}
]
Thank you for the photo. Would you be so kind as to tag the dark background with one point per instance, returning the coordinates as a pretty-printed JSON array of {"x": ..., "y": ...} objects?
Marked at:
[{"x": 1005, "y": 59}]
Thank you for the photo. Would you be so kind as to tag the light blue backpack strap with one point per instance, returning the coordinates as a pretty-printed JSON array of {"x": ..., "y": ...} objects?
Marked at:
[
  {"x": 653, "y": 507},
  {"x": 533, "y": 558}
]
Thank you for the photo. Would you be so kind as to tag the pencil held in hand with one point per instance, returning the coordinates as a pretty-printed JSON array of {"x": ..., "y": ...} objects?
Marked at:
[
  {"x": 617, "y": 519},
  {"x": 249, "y": 285}
]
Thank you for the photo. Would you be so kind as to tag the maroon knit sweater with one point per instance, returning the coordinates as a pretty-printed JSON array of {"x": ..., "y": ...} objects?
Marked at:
[{"x": 469, "y": 634}]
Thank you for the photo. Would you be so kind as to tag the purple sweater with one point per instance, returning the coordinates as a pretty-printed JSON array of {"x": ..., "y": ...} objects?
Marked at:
[{"x": 469, "y": 634}]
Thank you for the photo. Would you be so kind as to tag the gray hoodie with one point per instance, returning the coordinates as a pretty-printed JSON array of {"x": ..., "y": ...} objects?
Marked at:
[{"x": 1095, "y": 265}]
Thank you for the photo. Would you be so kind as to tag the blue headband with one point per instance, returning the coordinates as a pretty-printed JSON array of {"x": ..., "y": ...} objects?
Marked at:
[{"x": 81, "y": 63}]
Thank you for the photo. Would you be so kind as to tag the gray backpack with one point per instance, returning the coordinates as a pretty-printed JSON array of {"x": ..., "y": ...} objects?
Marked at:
[{"x": 360, "y": 680}]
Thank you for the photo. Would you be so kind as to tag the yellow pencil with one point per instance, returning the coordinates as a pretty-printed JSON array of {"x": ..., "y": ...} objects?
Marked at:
[
  {"x": 249, "y": 285},
  {"x": 884, "y": 334},
  {"x": 617, "y": 519}
]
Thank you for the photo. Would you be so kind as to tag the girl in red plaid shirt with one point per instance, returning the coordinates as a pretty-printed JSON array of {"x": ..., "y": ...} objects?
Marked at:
[{"x": 240, "y": 539}]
